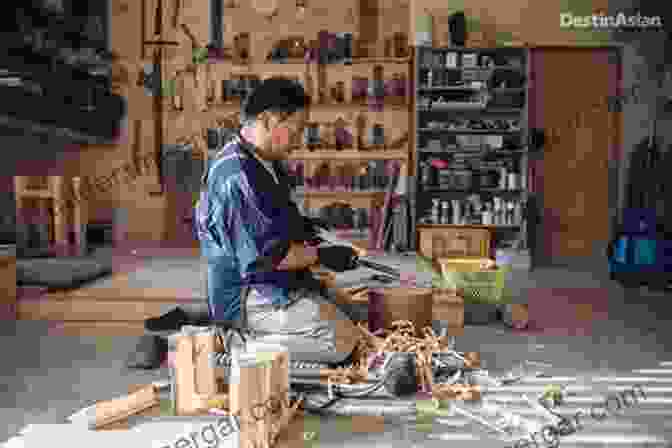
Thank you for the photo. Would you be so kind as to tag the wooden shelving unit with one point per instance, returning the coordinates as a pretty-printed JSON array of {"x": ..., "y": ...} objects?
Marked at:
[
  {"x": 348, "y": 154},
  {"x": 471, "y": 117},
  {"x": 201, "y": 104},
  {"x": 394, "y": 114}
]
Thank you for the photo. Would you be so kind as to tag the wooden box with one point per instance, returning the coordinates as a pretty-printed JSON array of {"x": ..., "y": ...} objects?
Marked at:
[{"x": 453, "y": 241}]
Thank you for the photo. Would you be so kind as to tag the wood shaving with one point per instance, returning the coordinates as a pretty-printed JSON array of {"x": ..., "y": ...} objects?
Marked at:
[
  {"x": 456, "y": 392},
  {"x": 288, "y": 414},
  {"x": 399, "y": 338}
]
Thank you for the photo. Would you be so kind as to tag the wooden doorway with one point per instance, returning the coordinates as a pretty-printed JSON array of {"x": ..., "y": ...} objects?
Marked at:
[{"x": 571, "y": 88}]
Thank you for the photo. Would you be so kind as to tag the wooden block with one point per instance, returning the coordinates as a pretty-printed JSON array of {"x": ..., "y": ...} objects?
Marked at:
[
  {"x": 449, "y": 307},
  {"x": 368, "y": 424},
  {"x": 520, "y": 312},
  {"x": 456, "y": 331},
  {"x": 184, "y": 377},
  {"x": 154, "y": 411},
  {"x": 263, "y": 379},
  {"x": 294, "y": 435},
  {"x": 249, "y": 391},
  {"x": 472, "y": 360},
  {"x": 119, "y": 409},
  {"x": 205, "y": 372}
]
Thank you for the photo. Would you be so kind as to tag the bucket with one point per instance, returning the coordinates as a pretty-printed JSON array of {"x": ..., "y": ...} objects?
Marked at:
[{"x": 387, "y": 305}]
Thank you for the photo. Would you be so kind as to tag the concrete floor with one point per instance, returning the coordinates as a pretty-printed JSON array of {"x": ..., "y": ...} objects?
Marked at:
[{"x": 600, "y": 330}]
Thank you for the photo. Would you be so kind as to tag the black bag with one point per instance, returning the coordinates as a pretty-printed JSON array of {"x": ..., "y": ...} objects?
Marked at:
[{"x": 149, "y": 353}]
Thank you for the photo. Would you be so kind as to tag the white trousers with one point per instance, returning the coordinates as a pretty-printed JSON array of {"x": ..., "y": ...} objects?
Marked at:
[{"x": 310, "y": 326}]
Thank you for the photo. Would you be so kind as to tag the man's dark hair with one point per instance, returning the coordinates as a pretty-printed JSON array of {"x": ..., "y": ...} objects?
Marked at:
[{"x": 276, "y": 94}]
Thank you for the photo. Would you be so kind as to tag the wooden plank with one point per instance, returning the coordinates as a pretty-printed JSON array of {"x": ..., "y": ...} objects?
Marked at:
[
  {"x": 126, "y": 28},
  {"x": 100, "y": 328},
  {"x": 93, "y": 310},
  {"x": 348, "y": 155}
]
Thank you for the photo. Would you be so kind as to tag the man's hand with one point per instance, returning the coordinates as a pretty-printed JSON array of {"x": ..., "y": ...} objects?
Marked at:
[
  {"x": 298, "y": 258},
  {"x": 337, "y": 258}
]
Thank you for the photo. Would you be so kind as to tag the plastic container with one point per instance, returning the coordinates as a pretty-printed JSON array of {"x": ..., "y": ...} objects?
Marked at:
[{"x": 478, "y": 286}]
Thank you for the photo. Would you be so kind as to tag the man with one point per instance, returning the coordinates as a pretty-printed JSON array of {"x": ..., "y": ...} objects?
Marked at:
[{"x": 253, "y": 235}]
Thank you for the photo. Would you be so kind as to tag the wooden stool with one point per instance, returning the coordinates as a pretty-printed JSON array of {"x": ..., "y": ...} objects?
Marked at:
[{"x": 66, "y": 203}]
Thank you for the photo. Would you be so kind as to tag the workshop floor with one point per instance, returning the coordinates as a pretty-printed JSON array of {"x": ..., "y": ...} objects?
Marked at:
[{"x": 583, "y": 325}]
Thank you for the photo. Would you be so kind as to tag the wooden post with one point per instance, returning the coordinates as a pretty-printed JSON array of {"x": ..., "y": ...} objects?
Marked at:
[
  {"x": 57, "y": 185},
  {"x": 79, "y": 212}
]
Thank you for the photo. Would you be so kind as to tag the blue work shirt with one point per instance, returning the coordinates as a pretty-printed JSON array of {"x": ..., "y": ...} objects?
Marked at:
[{"x": 243, "y": 218}]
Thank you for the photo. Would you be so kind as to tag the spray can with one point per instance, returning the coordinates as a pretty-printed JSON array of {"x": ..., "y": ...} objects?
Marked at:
[
  {"x": 503, "y": 178},
  {"x": 457, "y": 212},
  {"x": 436, "y": 211}
]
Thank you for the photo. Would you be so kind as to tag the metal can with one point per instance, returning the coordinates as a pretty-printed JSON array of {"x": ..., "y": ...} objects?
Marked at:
[{"x": 445, "y": 212}]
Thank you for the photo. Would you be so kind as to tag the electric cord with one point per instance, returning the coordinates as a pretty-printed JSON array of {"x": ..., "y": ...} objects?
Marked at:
[{"x": 338, "y": 393}]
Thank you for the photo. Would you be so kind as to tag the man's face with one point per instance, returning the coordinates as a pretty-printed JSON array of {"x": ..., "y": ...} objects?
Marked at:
[{"x": 283, "y": 133}]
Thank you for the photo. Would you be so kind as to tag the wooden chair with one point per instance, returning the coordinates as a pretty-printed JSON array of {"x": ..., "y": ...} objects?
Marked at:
[{"x": 63, "y": 201}]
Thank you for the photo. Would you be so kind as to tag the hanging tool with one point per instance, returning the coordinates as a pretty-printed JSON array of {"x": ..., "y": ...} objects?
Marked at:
[
  {"x": 362, "y": 262},
  {"x": 177, "y": 12},
  {"x": 157, "y": 59},
  {"x": 158, "y": 28}
]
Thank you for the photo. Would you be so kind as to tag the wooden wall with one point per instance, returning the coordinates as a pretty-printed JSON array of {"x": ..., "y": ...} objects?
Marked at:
[
  {"x": 151, "y": 214},
  {"x": 111, "y": 186},
  {"x": 132, "y": 22}
]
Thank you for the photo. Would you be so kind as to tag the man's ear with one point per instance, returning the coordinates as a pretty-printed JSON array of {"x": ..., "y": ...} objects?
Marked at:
[
  {"x": 265, "y": 120},
  {"x": 273, "y": 120}
]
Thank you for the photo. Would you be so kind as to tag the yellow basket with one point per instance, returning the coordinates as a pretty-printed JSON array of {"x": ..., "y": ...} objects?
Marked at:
[
  {"x": 467, "y": 264},
  {"x": 474, "y": 284}
]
